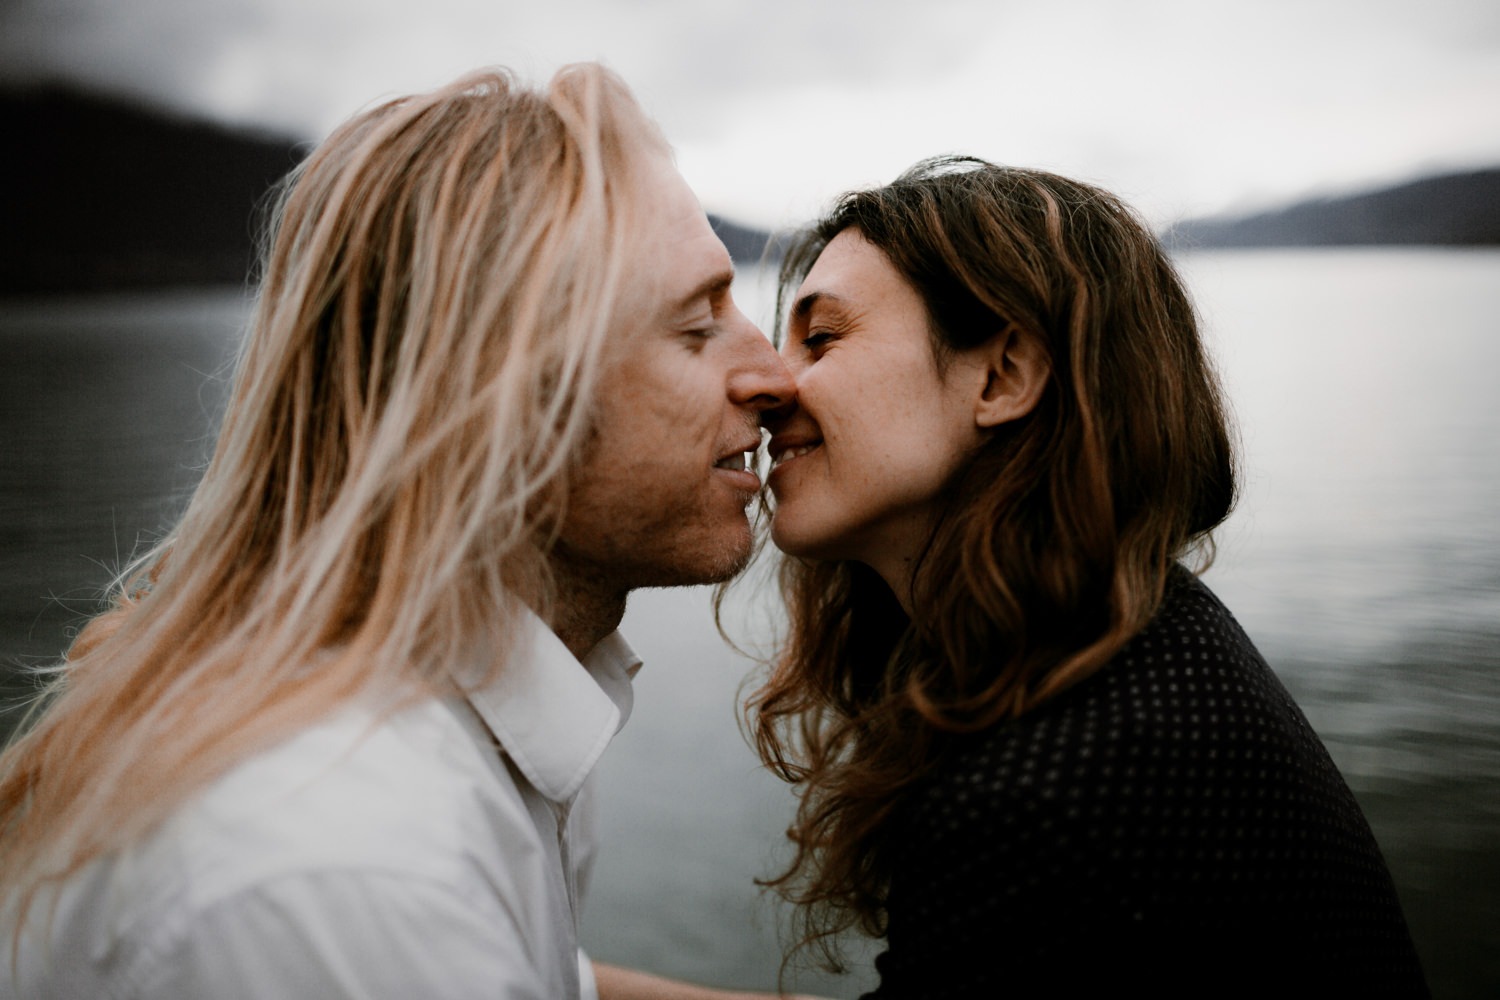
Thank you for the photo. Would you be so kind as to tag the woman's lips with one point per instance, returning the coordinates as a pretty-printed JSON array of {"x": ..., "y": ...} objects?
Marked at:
[{"x": 784, "y": 455}]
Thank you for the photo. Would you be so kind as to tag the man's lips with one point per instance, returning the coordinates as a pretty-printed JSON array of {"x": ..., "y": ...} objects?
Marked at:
[
  {"x": 739, "y": 457},
  {"x": 737, "y": 461}
]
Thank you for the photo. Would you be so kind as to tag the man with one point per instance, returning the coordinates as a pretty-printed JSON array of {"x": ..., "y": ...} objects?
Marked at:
[{"x": 334, "y": 737}]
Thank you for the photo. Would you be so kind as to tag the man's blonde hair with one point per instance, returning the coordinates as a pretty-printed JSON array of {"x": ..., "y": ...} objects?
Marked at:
[{"x": 439, "y": 282}]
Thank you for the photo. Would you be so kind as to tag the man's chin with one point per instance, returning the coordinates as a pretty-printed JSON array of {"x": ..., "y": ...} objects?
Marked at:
[
  {"x": 731, "y": 566},
  {"x": 708, "y": 567}
]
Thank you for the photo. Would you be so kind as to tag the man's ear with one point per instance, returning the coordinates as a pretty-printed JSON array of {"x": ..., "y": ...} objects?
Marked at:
[{"x": 1016, "y": 370}]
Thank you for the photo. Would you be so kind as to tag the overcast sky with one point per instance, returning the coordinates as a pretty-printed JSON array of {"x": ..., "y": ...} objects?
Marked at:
[{"x": 1183, "y": 107}]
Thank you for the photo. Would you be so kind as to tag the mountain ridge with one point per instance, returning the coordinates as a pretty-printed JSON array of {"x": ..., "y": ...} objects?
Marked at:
[
  {"x": 1453, "y": 209},
  {"x": 108, "y": 194}
]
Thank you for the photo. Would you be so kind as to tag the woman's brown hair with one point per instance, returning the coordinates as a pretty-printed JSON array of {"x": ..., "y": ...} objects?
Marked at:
[{"x": 1052, "y": 546}]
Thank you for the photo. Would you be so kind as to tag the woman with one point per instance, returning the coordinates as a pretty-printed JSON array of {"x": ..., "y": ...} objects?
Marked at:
[{"x": 1034, "y": 751}]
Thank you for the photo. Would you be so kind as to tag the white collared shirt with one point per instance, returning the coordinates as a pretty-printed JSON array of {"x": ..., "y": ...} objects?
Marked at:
[{"x": 363, "y": 858}]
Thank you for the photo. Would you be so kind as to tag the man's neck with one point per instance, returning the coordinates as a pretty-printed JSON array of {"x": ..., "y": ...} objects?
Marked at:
[{"x": 587, "y": 609}]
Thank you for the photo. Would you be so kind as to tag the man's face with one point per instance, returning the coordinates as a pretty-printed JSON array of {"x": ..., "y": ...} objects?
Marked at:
[{"x": 661, "y": 496}]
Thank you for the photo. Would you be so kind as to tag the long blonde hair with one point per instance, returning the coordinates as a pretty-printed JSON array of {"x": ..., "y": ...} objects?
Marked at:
[{"x": 437, "y": 290}]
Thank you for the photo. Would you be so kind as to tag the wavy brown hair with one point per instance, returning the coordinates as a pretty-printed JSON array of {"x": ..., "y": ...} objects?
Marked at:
[{"x": 1052, "y": 546}]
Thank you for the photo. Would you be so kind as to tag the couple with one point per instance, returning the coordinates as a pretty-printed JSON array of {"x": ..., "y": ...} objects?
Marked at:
[{"x": 333, "y": 739}]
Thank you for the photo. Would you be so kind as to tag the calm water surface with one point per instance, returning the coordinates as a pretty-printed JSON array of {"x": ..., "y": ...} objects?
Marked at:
[{"x": 1364, "y": 559}]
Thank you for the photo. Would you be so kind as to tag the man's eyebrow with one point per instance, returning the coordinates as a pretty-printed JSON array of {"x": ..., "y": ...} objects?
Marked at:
[{"x": 719, "y": 281}]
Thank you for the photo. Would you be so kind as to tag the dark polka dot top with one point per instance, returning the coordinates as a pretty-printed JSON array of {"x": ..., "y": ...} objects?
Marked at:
[{"x": 1171, "y": 826}]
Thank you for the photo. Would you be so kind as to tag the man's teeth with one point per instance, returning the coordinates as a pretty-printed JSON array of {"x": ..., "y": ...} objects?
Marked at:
[
  {"x": 739, "y": 461},
  {"x": 797, "y": 452}
]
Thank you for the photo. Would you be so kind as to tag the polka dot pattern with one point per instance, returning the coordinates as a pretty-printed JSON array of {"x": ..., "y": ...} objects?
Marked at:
[{"x": 1171, "y": 823}]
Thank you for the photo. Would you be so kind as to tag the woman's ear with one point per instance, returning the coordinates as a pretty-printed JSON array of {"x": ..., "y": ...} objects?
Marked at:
[{"x": 1016, "y": 370}]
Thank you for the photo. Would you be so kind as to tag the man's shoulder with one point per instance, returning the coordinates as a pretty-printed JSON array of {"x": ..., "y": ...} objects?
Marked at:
[
  {"x": 408, "y": 793},
  {"x": 359, "y": 822}
]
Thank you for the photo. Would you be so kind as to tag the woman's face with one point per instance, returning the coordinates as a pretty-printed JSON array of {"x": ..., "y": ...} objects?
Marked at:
[{"x": 876, "y": 431}]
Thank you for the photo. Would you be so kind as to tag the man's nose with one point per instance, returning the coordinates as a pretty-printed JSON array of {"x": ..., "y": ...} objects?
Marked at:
[{"x": 760, "y": 380}]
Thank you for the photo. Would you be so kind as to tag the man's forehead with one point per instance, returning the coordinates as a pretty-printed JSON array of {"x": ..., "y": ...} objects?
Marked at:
[{"x": 685, "y": 258}]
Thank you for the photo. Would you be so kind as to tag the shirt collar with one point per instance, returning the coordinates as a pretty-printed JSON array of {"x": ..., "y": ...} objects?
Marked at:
[{"x": 552, "y": 715}]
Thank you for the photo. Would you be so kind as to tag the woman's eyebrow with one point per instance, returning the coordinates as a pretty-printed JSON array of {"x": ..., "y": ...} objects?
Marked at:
[{"x": 806, "y": 303}]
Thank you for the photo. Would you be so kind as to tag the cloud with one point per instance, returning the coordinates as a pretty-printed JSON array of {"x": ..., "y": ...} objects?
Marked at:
[
  {"x": 1181, "y": 105},
  {"x": 297, "y": 63}
]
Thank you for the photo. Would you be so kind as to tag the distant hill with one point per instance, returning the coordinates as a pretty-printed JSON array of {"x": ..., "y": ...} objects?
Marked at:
[
  {"x": 104, "y": 194},
  {"x": 745, "y": 245},
  {"x": 1451, "y": 210}
]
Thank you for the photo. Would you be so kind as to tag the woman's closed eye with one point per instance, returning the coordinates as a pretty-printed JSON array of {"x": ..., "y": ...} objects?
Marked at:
[{"x": 816, "y": 341}]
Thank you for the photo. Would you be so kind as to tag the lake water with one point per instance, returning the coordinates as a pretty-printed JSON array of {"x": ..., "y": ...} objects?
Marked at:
[{"x": 1364, "y": 559}]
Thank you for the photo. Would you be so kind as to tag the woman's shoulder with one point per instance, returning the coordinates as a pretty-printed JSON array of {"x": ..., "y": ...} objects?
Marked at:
[
  {"x": 1186, "y": 717},
  {"x": 1192, "y": 671},
  {"x": 1191, "y": 630},
  {"x": 1178, "y": 797}
]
